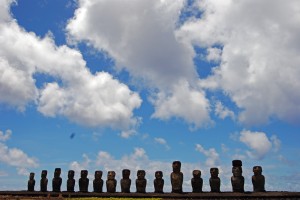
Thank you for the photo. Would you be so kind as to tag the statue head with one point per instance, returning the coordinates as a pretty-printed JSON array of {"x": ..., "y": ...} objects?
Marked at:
[
  {"x": 71, "y": 174},
  {"x": 237, "y": 171},
  {"x": 31, "y": 176},
  {"x": 196, "y": 173},
  {"x": 125, "y": 173},
  {"x": 84, "y": 173},
  {"x": 158, "y": 174},
  {"x": 98, "y": 174},
  {"x": 141, "y": 174},
  {"x": 176, "y": 166},
  {"x": 257, "y": 170},
  {"x": 214, "y": 172},
  {"x": 111, "y": 175},
  {"x": 57, "y": 172},
  {"x": 44, "y": 174}
]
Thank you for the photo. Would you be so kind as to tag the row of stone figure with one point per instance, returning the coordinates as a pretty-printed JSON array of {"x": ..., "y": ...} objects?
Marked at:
[{"x": 237, "y": 180}]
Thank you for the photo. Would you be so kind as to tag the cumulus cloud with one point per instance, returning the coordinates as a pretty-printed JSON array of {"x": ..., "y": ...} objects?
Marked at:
[
  {"x": 5, "y": 135},
  {"x": 212, "y": 156},
  {"x": 259, "y": 143},
  {"x": 222, "y": 112},
  {"x": 85, "y": 98},
  {"x": 15, "y": 157},
  {"x": 163, "y": 142},
  {"x": 183, "y": 102},
  {"x": 140, "y": 37},
  {"x": 259, "y": 61}
]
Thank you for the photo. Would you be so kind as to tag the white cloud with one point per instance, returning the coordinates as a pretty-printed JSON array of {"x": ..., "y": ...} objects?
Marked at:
[
  {"x": 85, "y": 98},
  {"x": 214, "y": 54},
  {"x": 163, "y": 142},
  {"x": 258, "y": 142},
  {"x": 222, "y": 112},
  {"x": 276, "y": 143},
  {"x": 212, "y": 156},
  {"x": 140, "y": 37},
  {"x": 183, "y": 102},
  {"x": 16, "y": 157},
  {"x": 259, "y": 61},
  {"x": 5, "y": 136},
  {"x": 128, "y": 134}
]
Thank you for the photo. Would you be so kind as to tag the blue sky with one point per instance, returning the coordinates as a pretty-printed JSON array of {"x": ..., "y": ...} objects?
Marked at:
[{"x": 107, "y": 85}]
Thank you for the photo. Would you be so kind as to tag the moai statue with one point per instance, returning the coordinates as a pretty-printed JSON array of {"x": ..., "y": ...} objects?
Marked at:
[
  {"x": 83, "y": 181},
  {"x": 214, "y": 181},
  {"x": 176, "y": 177},
  {"x": 31, "y": 182},
  {"x": 197, "y": 181},
  {"x": 71, "y": 181},
  {"x": 98, "y": 182},
  {"x": 159, "y": 182},
  {"x": 56, "y": 181},
  {"x": 237, "y": 180},
  {"x": 125, "y": 181},
  {"x": 44, "y": 181},
  {"x": 111, "y": 182},
  {"x": 141, "y": 182},
  {"x": 258, "y": 180}
]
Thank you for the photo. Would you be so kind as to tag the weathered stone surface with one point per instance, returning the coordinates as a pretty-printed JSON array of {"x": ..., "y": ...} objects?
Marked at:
[
  {"x": 141, "y": 182},
  {"x": 57, "y": 180},
  {"x": 258, "y": 180},
  {"x": 31, "y": 182},
  {"x": 158, "y": 182},
  {"x": 44, "y": 181},
  {"x": 176, "y": 177},
  {"x": 111, "y": 182},
  {"x": 98, "y": 182},
  {"x": 83, "y": 181},
  {"x": 125, "y": 181},
  {"x": 197, "y": 181},
  {"x": 71, "y": 181},
  {"x": 237, "y": 180},
  {"x": 214, "y": 181}
]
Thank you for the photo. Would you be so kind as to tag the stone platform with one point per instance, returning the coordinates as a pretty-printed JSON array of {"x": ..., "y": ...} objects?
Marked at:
[{"x": 205, "y": 195}]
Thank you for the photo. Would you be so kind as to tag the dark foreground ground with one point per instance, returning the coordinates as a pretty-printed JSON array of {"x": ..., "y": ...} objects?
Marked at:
[{"x": 24, "y": 195}]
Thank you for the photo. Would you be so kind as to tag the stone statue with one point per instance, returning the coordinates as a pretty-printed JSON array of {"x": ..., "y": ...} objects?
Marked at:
[
  {"x": 237, "y": 180},
  {"x": 31, "y": 182},
  {"x": 111, "y": 182},
  {"x": 125, "y": 181},
  {"x": 141, "y": 182},
  {"x": 56, "y": 181},
  {"x": 83, "y": 181},
  {"x": 44, "y": 181},
  {"x": 158, "y": 182},
  {"x": 71, "y": 181},
  {"x": 214, "y": 180},
  {"x": 176, "y": 177},
  {"x": 98, "y": 182},
  {"x": 197, "y": 181},
  {"x": 258, "y": 180}
]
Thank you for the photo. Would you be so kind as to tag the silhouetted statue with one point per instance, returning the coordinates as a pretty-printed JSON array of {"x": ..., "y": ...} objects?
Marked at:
[
  {"x": 83, "y": 181},
  {"x": 176, "y": 177},
  {"x": 158, "y": 182},
  {"x": 56, "y": 181},
  {"x": 141, "y": 182},
  {"x": 44, "y": 181},
  {"x": 125, "y": 181},
  {"x": 71, "y": 181},
  {"x": 31, "y": 182},
  {"x": 98, "y": 182},
  {"x": 197, "y": 181},
  {"x": 237, "y": 180},
  {"x": 111, "y": 182},
  {"x": 258, "y": 180},
  {"x": 214, "y": 180}
]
